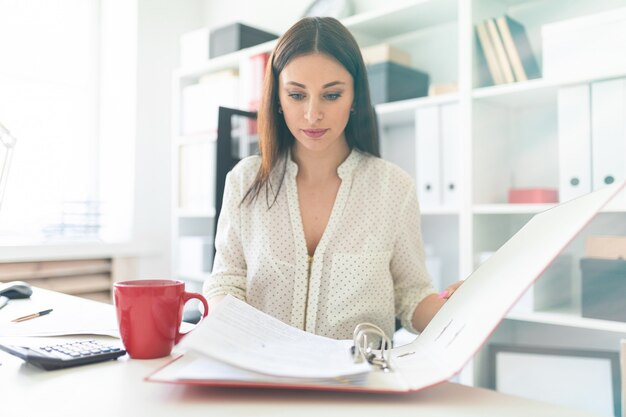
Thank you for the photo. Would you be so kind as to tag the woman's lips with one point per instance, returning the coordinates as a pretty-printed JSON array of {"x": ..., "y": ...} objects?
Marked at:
[{"x": 314, "y": 133}]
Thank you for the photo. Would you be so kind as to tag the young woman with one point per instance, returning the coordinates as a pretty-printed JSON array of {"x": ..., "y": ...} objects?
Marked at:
[{"x": 318, "y": 231}]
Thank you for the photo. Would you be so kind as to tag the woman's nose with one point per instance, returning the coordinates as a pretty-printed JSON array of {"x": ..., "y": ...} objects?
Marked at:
[{"x": 313, "y": 112}]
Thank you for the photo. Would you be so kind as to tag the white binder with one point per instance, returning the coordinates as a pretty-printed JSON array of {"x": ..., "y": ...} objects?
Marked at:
[
  {"x": 428, "y": 158},
  {"x": 448, "y": 343},
  {"x": 608, "y": 124},
  {"x": 450, "y": 154},
  {"x": 574, "y": 124}
]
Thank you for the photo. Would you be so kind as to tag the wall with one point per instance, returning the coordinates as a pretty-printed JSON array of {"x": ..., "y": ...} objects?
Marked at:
[
  {"x": 160, "y": 24},
  {"x": 272, "y": 15}
]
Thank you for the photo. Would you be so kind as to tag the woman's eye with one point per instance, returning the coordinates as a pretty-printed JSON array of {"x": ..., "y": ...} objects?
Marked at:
[
  {"x": 332, "y": 96},
  {"x": 296, "y": 96}
]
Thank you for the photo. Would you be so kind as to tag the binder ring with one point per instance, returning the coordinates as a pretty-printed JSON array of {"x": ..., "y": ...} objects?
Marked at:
[{"x": 364, "y": 338}]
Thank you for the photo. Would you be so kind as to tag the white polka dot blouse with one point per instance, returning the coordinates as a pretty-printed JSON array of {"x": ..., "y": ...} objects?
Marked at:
[{"x": 368, "y": 266}]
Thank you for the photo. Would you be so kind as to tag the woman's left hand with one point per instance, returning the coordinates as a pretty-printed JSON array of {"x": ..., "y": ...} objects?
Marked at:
[{"x": 447, "y": 293}]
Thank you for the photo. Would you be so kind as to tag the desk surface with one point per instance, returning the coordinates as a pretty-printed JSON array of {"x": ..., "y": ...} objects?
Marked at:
[{"x": 117, "y": 389}]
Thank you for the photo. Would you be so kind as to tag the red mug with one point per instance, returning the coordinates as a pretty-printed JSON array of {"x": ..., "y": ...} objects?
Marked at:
[{"x": 149, "y": 314}]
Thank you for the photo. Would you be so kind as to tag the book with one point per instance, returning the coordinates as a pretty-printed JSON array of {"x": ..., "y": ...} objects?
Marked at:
[
  {"x": 239, "y": 346},
  {"x": 252, "y": 74},
  {"x": 517, "y": 47},
  {"x": 487, "y": 51},
  {"x": 498, "y": 46}
]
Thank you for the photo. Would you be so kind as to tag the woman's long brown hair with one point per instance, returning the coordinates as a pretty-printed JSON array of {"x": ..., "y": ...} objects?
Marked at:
[{"x": 324, "y": 35}]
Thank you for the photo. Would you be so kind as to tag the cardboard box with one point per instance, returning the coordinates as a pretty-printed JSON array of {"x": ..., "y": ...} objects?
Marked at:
[
  {"x": 383, "y": 52},
  {"x": 389, "y": 81},
  {"x": 236, "y": 36},
  {"x": 603, "y": 288},
  {"x": 606, "y": 247},
  {"x": 585, "y": 47}
]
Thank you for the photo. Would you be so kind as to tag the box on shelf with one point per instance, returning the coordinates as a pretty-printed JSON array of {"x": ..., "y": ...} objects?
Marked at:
[
  {"x": 606, "y": 247},
  {"x": 445, "y": 88},
  {"x": 389, "y": 81},
  {"x": 384, "y": 52},
  {"x": 585, "y": 47},
  {"x": 194, "y": 47},
  {"x": 236, "y": 36},
  {"x": 196, "y": 188},
  {"x": 533, "y": 195},
  {"x": 603, "y": 288},
  {"x": 552, "y": 290},
  {"x": 200, "y": 102},
  {"x": 195, "y": 255}
]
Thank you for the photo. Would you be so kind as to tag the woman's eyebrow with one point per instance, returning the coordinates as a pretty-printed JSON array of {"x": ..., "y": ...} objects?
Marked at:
[
  {"x": 330, "y": 84},
  {"x": 333, "y": 83}
]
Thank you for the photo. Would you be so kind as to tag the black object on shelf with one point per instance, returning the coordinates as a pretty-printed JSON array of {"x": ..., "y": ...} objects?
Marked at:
[
  {"x": 389, "y": 81},
  {"x": 227, "y": 153},
  {"x": 236, "y": 36},
  {"x": 603, "y": 288}
]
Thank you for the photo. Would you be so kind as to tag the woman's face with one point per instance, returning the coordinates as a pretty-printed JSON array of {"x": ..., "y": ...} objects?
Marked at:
[{"x": 316, "y": 94}]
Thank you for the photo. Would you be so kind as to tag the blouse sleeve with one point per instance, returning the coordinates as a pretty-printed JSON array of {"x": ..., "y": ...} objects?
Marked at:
[
  {"x": 411, "y": 280},
  {"x": 229, "y": 266}
]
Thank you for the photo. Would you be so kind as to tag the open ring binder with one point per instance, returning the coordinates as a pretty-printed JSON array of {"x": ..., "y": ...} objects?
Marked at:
[
  {"x": 456, "y": 333},
  {"x": 366, "y": 337}
]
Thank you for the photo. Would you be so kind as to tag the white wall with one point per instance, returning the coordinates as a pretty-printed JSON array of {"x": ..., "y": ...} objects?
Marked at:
[
  {"x": 272, "y": 15},
  {"x": 160, "y": 24}
]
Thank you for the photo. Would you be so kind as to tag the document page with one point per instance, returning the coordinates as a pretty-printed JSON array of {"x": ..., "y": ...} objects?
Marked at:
[
  {"x": 69, "y": 316},
  {"x": 240, "y": 335}
]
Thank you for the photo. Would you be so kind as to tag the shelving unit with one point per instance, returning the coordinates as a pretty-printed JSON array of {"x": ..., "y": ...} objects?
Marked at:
[{"x": 508, "y": 135}]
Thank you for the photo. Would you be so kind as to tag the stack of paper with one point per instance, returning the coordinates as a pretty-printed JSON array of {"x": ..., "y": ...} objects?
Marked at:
[{"x": 238, "y": 341}]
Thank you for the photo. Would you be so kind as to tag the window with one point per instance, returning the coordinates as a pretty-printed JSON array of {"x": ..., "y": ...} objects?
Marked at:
[{"x": 49, "y": 100}]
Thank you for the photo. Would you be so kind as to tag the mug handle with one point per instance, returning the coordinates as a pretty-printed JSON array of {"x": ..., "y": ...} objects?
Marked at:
[{"x": 186, "y": 297}]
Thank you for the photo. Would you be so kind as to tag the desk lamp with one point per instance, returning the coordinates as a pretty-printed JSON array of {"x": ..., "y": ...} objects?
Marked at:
[{"x": 8, "y": 142}]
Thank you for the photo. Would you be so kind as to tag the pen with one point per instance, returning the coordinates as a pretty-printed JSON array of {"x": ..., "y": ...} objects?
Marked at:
[
  {"x": 3, "y": 301},
  {"x": 31, "y": 316}
]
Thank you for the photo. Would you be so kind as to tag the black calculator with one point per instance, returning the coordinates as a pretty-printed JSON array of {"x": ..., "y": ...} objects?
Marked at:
[{"x": 66, "y": 354}]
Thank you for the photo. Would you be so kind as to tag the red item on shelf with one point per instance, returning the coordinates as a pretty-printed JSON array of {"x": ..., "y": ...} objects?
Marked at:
[{"x": 533, "y": 195}]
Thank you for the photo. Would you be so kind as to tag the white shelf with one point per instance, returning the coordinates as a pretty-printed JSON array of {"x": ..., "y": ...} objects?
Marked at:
[
  {"x": 511, "y": 208},
  {"x": 379, "y": 23},
  {"x": 228, "y": 61},
  {"x": 439, "y": 211},
  {"x": 569, "y": 319},
  {"x": 521, "y": 94},
  {"x": 403, "y": 111},
  {"x": 407, "y": 17},
  {"x": 528, "y": 93}
]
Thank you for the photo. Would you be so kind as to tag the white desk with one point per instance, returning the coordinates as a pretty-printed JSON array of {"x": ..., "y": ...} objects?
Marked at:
[{"x": 117, "y": 389}]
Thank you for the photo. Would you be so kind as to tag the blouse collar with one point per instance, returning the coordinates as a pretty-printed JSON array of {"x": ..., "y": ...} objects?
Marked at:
[{"x": 345, "y": 169}]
